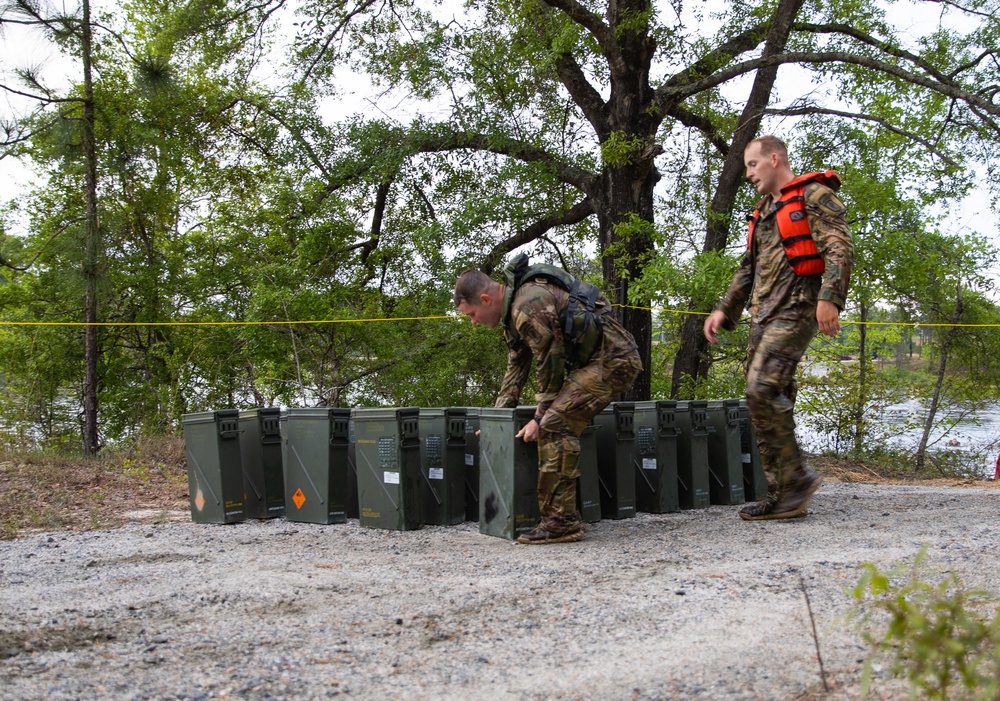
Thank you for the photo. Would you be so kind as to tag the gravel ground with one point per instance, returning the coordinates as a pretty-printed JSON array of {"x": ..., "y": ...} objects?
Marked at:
[{"x": 696, "y": 604}]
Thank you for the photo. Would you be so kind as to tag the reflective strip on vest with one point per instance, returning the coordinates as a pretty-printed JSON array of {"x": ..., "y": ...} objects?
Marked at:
[{"x": 793, "y": 224}]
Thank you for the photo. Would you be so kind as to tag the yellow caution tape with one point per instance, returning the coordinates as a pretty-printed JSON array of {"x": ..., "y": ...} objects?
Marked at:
[
  {"x": 221, "y": 323},
  {"x": 423, "y": 318}
]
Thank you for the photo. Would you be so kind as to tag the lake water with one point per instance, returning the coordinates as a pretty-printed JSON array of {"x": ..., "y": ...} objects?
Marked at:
[{"x": 976, "y": 434}]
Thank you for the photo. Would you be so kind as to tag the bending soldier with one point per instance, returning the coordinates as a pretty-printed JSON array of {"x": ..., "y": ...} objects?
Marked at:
[
  {"x": 583, "y": 359},
  {"x": 794, "y": 276}
]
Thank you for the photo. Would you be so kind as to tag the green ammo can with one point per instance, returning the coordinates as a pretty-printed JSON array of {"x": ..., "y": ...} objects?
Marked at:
[
  {"x": 442, "y": 466},
  {"x": 725, "y": 463},
  {"x": 314, "y": 449},
  {"x": 692, "y": 454},
  {"x": 471, "y": 464},
  {"x": 655, "y": 456},
  {"x": 588, "y": 489},
  {"x": 260, "y": 452},
  {"x": 508, "y": 474},
  {"x": 616, "y": 474},
  {"x": 352, "y": 473},
  {"x": 388, "y": 459},
  {"x": 215, "y": 475},
  {"x": 754, "y": 480}
]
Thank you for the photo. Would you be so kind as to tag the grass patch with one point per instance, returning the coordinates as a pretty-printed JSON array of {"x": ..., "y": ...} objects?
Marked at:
[{"x": 43, "y": 491}]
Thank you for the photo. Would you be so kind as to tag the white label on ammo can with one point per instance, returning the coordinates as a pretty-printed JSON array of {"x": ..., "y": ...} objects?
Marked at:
[
  {"x": 649, "y": 463},
  {"x": 390, "y": 477},
  {"x": 470, "y": 459},
  {"x": 746, "y": 457},
  {"x": 435, "y": 473}
]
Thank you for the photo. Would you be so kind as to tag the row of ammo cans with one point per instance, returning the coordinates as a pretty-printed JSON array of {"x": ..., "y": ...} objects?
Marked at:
[
  {"x": 685, "y": 454},
  {"x": 401, "y": 468},
  {"x": 392, "y": 468}
]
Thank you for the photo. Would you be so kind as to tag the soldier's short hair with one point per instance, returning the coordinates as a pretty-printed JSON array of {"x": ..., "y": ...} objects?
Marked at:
[
  {"x": 771, "y": 144},
  {"x": 470, "y": 285}
]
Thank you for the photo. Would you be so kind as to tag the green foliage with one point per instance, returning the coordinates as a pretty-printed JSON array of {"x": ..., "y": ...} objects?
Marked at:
[
  {"x": 631, "y": 20},
  {"x": 726, "y": 379},
  {"x": 224, "y": 199},
  {"x": 692, "y": 282},
  {"x": 620, "y": 149},
  {"x": 942, "y": 638},
  {"x": 837, "y": 407}
]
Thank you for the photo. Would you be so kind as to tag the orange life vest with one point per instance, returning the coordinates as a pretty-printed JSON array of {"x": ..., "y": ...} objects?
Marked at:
[{"x": 793, "y": 223}]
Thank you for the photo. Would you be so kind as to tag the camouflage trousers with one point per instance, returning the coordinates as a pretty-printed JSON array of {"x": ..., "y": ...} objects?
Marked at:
[
  {"x": 773, "y": 355},
  {"x": 585, "y": 392}
]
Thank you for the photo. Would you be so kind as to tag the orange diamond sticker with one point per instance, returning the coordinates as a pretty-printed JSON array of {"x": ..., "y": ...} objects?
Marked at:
[
  {"x": 199, "y": 500},
  {"x": 299, "y": 498}
]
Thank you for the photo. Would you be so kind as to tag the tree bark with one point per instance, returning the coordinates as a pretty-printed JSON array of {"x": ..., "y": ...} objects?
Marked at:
[
  {"x": 91, "y": 441},
  {"x": 693, "y": 359},
  {"x": 624, "y": 196},
  {"x": 628, "y": 193}
]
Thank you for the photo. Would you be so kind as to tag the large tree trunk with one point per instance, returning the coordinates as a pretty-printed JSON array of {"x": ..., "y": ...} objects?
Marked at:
[
  {"x": 693, "y": 359},
  {"x": 624, "y": 198},
  {"x": 91, "y": 442},
  {"x": 629, "y": 193}
]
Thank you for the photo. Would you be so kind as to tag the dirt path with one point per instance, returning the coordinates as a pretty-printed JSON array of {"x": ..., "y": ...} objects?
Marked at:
[{"x": 696, "y": 604}]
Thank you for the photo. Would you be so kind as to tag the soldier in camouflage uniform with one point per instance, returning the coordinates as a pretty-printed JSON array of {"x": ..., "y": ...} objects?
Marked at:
[
  {"x": 570, "y": 392},
  {"x": 786, "y": 308}
]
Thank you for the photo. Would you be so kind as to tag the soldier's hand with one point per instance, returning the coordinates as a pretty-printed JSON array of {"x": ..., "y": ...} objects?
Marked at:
[
  {"x": 828, "y": 317},
  {"x": 713, "y": 323},
  {"x": 529, "y": 433}
]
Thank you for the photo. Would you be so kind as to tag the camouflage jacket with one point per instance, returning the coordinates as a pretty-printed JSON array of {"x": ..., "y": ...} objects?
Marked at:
[
  {"x": 765, "y": 282},
  {"x": 536, "y": 331}
]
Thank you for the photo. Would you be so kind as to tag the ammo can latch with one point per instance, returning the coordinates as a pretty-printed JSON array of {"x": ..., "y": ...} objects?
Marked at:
[
  {"x": 409, "y": 429},
  {"x": 229, "y": 428},
  {"x": 456, "y": 430},
  {"x": 624, "y": 422},
  {"x": 339, "y": 430},
  {"x": 270, "y": 429}
]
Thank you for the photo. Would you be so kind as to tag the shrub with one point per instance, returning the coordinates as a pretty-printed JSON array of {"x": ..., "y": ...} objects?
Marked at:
[{"x": 942, "y": 638}]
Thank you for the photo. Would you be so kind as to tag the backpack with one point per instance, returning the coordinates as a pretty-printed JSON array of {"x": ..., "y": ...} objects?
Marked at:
[{"x": 583, "y": 329}]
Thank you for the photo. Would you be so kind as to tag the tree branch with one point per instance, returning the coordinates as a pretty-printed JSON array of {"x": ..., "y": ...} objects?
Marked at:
[
  {"x": 883, "y": 46},
  {"x": 15, "y": 134},
  {"x": 803, "y": 57},
  {"x": 583, "y": 93},
  {"x": 454, "y": 141},
  {"x": 562, "y": 258},
  {"x": 334, "y": 33},
  {"x": 949, "y": 3},
  {"x": 294, "y": 131},
  {"x": 802, "y": 111},
  {"x": 381, "y": 198},
  {"x": 8, "y": 264},
  {"x": 971, "y": 64},
  {"x": 39, "y": 98},
  {"x": 576, "y": 214},
  {"x": 595, "y": 25},
  {"x": 702, "y": 124},
  {"x": 721, "y": 55}
]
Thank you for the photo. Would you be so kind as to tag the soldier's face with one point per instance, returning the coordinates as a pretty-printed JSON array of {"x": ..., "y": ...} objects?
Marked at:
[
  {"x": 761, "y": 170},
  {"x": 486, "y": 312}
]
